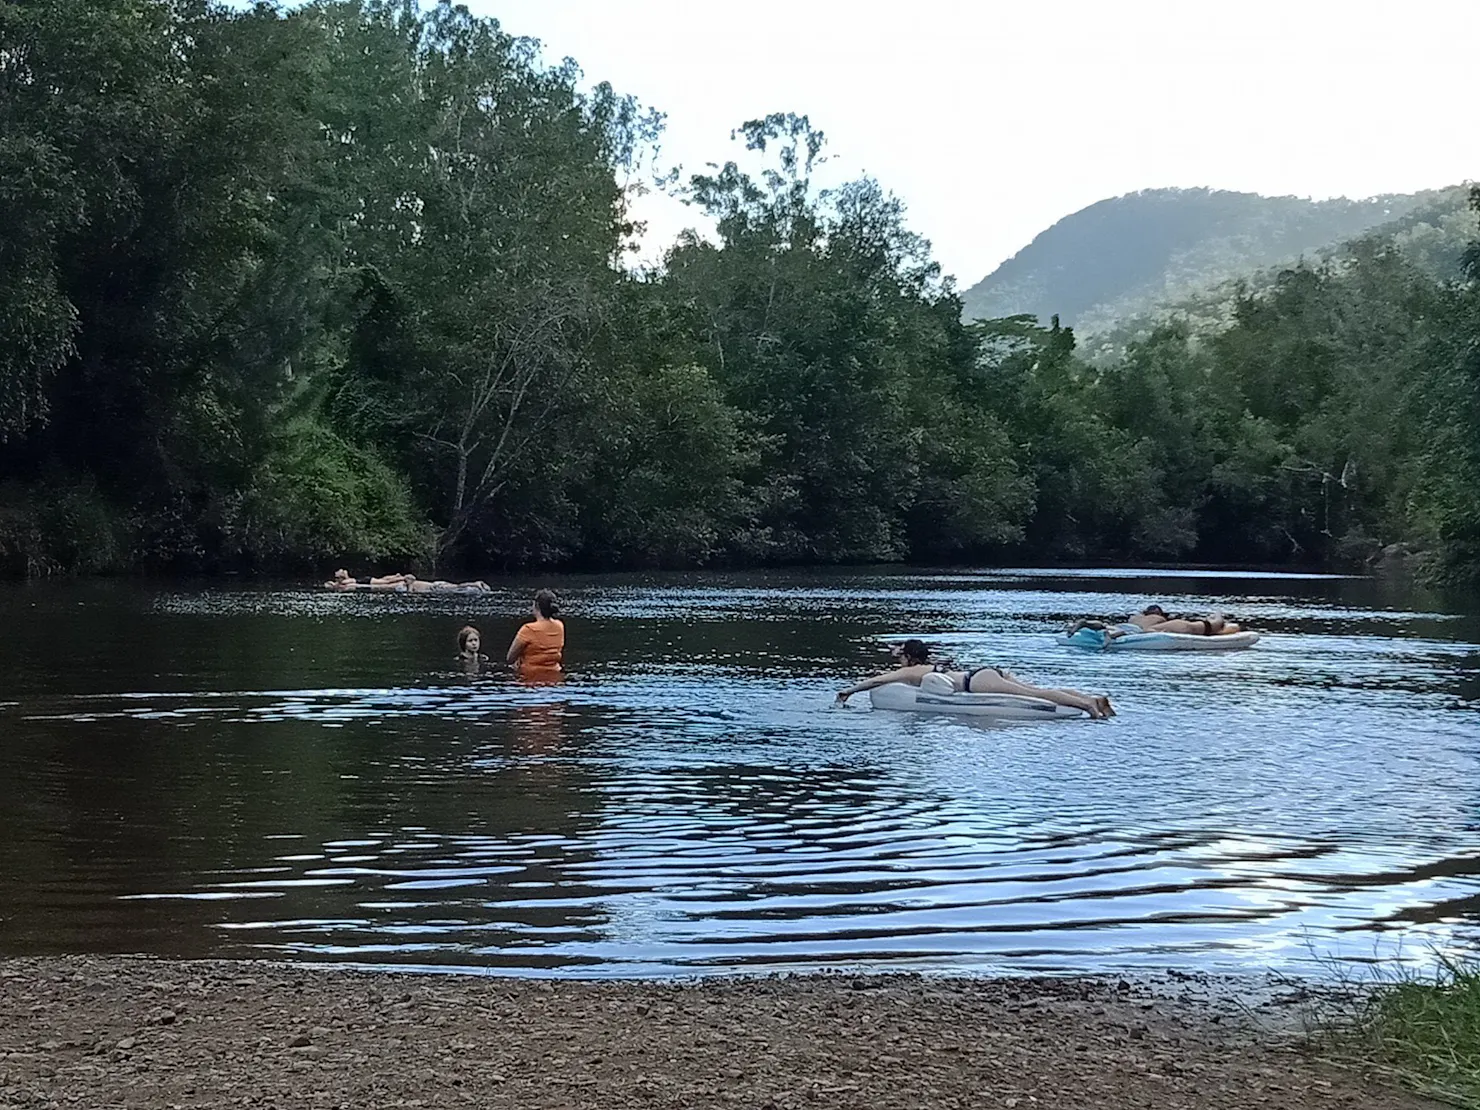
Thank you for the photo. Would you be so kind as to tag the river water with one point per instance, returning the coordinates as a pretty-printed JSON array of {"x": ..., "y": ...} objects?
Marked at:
[{"x": 251, "y": 771}]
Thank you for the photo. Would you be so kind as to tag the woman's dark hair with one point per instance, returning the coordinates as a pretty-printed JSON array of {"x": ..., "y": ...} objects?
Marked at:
[
  {"x": 1146, "y": 612},
  {"x": 463, "y": 634},
  {"x": 914, "y": 652},
  {"x": 547, "y": 605}
]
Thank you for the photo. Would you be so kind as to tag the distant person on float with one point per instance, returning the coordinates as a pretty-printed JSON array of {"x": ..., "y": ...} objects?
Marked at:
[
  {"x": 343, "y": 581},
  {"x": 1154, "y": 618},
  {"x": 982, "y": 680},
  {"x": 469, "y": 643},
  {"x": 538, "y": 650},
  {"x": 403, "y": 584},
  {"x": 417, "y": 586}
]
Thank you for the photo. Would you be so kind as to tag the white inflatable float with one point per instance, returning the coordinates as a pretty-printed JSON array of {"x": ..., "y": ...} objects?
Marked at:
[
  {"x": 932, "y": 697},
  {"x": 1161, "y": 641}
]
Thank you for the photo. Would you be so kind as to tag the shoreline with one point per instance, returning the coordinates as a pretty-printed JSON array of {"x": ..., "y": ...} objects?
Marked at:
[
  {"x": 311, "y": 577},
  {"x": 138, "y": 1031}
]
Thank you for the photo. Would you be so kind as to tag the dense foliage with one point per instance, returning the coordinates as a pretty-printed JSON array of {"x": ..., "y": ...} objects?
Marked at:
[
  {"x": 347, "y": 283},
  {"x": 1338, "y": 415}
]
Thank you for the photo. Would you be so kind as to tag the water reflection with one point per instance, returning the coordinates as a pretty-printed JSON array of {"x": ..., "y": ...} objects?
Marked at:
[{"x": 252, "y": 771}]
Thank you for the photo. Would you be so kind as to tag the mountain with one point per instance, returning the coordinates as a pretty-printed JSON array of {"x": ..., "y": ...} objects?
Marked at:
[
  {"x": 1122, "y": 257},
  {"x": 1432, "y": 235}
]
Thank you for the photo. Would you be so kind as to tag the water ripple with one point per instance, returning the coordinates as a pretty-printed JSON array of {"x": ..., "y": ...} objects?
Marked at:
[{"x": 283, "y": 773}]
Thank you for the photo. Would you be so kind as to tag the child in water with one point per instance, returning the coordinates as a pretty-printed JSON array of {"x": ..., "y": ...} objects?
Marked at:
[{"x": 469, "y": 641}]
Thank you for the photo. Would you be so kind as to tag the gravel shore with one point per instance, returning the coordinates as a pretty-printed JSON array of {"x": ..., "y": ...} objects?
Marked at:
[{"x": 134, "y": 1032}]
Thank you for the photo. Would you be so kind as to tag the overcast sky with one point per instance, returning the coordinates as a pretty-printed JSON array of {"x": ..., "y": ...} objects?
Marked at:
[{"x": 993, "y": 119}]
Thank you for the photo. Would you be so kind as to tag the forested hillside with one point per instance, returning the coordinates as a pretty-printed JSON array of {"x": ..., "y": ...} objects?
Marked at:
[
  {"x": 346, "y": 284},
  {"x": 1127, "y": 255},
  {"x": 1432, "y": 236}
]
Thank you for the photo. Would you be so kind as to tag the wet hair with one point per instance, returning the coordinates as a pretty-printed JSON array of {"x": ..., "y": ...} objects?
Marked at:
[
  {"x": 462, "y": 637},
  {"x": 1146, "y": 612},
  {"x": 545, "y": 602},
  {"x": 914, "y": 652}
]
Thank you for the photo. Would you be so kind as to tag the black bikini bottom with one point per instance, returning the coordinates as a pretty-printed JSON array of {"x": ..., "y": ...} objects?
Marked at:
[{"x": 966, "y": 682}]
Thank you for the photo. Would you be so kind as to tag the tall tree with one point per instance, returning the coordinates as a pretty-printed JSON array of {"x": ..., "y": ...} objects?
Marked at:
[{"x": 488, "y": 273}]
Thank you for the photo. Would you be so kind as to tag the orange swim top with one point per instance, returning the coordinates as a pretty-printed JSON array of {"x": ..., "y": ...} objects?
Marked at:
[{"x": 544, "y": 647}]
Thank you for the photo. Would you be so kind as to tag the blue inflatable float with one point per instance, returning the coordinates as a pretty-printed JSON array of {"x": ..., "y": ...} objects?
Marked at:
[{"x": 1160, "y": 641}]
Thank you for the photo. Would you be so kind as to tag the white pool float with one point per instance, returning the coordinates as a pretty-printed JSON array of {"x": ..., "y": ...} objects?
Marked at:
[
  {"x": 1162, "y": 641},
  {"x": 1010, "y": 707}
]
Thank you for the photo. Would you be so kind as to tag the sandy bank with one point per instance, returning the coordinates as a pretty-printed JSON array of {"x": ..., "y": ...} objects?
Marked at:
[{"x": 112, "y": 1032}]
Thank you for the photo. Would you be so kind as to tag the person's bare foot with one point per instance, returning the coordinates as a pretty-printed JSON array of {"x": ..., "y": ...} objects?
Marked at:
[{"x": 1102, "y": 703}]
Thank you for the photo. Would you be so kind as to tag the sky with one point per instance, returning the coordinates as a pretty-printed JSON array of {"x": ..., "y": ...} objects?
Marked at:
[{"x": 993, "y": 119}]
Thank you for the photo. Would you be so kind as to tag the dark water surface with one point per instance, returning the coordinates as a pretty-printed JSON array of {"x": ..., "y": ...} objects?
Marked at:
[{"x": 272, "y": 772}]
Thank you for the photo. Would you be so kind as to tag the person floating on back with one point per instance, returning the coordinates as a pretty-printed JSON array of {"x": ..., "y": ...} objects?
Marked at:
[
  {"x": 915, "y": 656},
  {"x": 439, "y": 586},
  {"x": 403, "y": 584},
  {"x": 343, "y": 581},
  {"x": 538, "y": 650}
]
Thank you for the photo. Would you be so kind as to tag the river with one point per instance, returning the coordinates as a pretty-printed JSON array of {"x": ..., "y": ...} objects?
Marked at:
[{"x": 243, "y": 770}]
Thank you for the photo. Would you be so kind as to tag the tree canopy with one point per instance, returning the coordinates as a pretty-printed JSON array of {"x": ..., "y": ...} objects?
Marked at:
[{"x": 349, "y": 281}]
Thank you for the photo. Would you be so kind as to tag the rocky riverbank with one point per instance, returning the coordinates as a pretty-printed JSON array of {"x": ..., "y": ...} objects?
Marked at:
[{"x": 127, "y": 1032}]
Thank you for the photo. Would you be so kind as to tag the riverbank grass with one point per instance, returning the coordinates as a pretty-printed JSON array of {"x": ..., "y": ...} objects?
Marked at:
[{"x": 1426, "y": 1027}]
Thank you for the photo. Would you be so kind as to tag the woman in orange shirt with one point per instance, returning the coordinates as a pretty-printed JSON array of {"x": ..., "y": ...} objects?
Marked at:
[{"x": 538, "y": 650}]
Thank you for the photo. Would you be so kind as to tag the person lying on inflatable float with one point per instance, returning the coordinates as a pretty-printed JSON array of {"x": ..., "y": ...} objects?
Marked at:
[
  {"x": 417, "y": 586},
  {"x": 915, "y": 656},
  {"x": 343, "y": 581},
  {"x": 404, "y": 583},
  {"x": 1154, "y": 618}
]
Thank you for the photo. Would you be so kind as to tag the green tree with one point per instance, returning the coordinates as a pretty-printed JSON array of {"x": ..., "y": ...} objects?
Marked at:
[
  {"x": 824, "y": 319},
  {"x": 491, "y": 214}
]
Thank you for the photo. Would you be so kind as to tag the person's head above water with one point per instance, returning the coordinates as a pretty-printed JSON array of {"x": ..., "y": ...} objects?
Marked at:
[
  {"x": 545, "y": 604},
  {"x": 469, "y": 640},
  {"x": 913, "y": 652},
  {"x": 1153, "y": 611}
]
